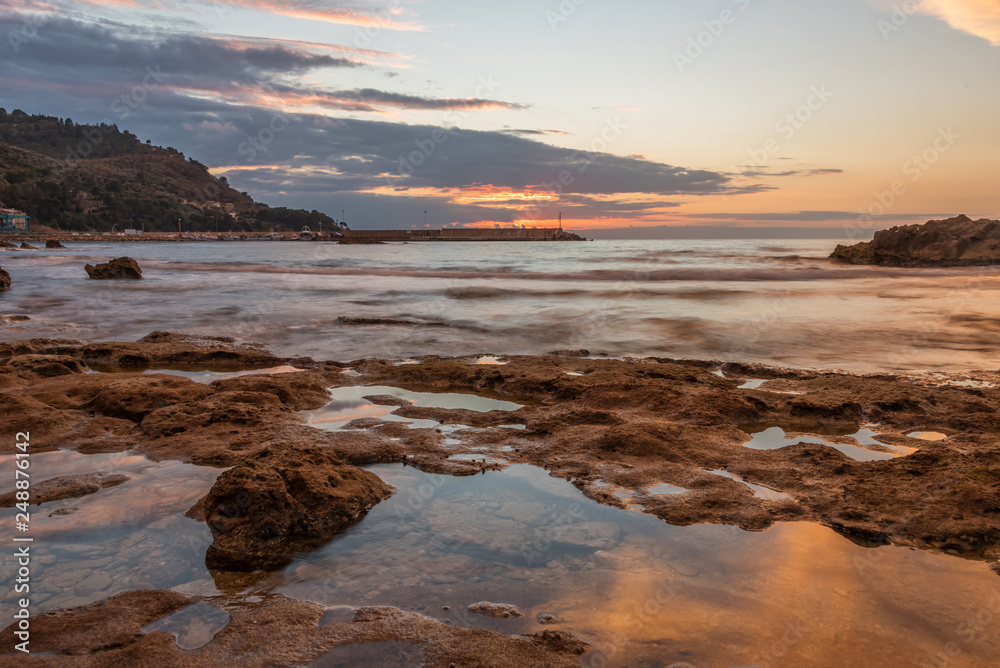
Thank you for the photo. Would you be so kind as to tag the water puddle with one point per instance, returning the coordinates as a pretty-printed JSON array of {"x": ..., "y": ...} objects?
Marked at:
[
  {"x": 207, "y": 377},
  {"x": 927, "y": 435},
  {"x": 349, "y": 404},
  {"x": 490, "y": 360},
  {"x": 131, "y": 536},
  {"x": 759, "y": 491},
  {"x": 753, "y": 384},
  {"x": 773, "y": 438},
  {"x": 192, "y": 627},
  {"x": 643, "y": 592},
  {"x": 664, "y": 489}
]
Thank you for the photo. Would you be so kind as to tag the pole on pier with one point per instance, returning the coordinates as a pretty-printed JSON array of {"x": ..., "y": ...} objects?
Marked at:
[{"x": 560, "y": 221}]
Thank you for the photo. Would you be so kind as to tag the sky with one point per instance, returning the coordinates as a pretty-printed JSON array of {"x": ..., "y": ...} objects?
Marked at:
[{"x": 849, "y": 114}]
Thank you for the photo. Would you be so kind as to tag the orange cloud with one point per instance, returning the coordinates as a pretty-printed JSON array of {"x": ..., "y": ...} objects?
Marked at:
[{"x": 978, "y": 17}]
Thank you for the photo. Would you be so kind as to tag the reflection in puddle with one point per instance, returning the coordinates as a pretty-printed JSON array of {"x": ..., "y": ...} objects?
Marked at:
[
  {"x": 664, "y": 488},
  {"x": 349, "y": 404},
  {"x": 643, "y": 592},
  {"x": 759, "y": 491},
  {"x": 490, "y": 360},
  {"x": 775, "y": 437},
  {"x": 193, "y": 626},
  {"x": 132, "y": 536},
  {"x": 210, "y": 376},
  {"x": 927, "y": 435},
  {"x": 752, "y": 384}
]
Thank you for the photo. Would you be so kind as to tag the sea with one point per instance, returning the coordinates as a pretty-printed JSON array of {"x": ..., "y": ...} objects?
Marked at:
[{"x": 779, "y": 302}]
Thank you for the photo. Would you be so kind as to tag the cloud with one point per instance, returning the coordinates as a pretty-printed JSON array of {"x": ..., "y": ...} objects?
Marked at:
[
  {"x": 253, "y": 71},
  {"x": 978, "y": 17},
  {"x": 370, "y": 15}
]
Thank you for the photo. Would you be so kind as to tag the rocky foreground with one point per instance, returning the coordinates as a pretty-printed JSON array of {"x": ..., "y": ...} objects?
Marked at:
[
  {"x": 627, "y": 423},
  {"x": 956, "y": 242}
]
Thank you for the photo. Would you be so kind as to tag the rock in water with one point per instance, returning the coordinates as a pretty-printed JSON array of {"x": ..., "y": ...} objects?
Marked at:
[
  {"x": 956, "y": 242},
  {"x": 262, "y": 510},
  {"x": 117, "y": 269},
  {"x": 67, "y": 487},
  {"x": 26, "y": 246},
  {"x": 52, "y": 243},
  {"x": 4, "y": 281}
]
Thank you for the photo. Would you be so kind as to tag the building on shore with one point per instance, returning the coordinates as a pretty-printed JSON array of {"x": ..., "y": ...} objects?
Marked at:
[{"x": 12, "y": 220}]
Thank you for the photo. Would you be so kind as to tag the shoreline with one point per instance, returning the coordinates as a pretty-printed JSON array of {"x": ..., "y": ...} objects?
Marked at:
[{"x": 608, "y": 426}]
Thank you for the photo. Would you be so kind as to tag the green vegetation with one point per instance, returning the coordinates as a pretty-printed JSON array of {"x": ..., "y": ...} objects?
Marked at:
[{"x": 68, "y": 176}]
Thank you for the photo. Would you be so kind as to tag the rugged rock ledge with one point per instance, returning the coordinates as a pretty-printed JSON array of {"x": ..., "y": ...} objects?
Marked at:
[
  {"x": 263, "y": 510},
  {"x": 275, "y": 631},
  {"x": 631, "y": 423},
  {"x": 67, "y": 487},
  {"x": 4, "y": 280},
  {"x": 956, "y": 242}
]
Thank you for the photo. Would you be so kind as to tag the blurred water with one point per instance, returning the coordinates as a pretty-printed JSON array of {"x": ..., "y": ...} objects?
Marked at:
[{"x": 775, "y": 301}]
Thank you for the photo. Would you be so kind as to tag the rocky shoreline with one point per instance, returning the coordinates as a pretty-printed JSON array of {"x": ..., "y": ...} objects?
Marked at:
[
  {"x": 604, "y": 424},
  {"x": 955, "y": 242}
]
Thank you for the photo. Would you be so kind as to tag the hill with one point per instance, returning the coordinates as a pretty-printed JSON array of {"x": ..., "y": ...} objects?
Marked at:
[{"x": 70, "y": 176}]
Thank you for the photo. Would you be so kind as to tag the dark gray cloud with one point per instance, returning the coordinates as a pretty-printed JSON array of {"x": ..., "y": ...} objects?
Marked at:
[{"x": 86, "y": 69}]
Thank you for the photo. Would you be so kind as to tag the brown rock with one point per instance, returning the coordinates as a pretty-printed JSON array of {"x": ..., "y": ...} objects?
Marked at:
[
  {"x": 4, "y": 280},
  {"x": 259, "y": 509},
  {"x": 47, "y": 366},
  {"x": 52, "y": 243},
  {"x": 956, "y": 242},
  {"x": 117, "y": 269},
  {"x": 498, "y": 610},
  {"x": 67, "y": 487},
  {"x": 26, "y": 246}
]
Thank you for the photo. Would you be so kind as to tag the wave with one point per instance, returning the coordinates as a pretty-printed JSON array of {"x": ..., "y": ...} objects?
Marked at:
[{"x": 831, "y": 272}]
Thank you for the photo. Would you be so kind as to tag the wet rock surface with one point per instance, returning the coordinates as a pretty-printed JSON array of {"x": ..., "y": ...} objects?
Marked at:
[
  {"x": 121, "y": 268},
  {"x": 956, "y": 242},
  {"x": 53, "y": 244},
  {"x": 4, "y": 280},
  {"x": 498, "y": 610},
  {"x": 273, "y": 631},
  {"x": 628, "y": 425},
  {"x": 67, "y": 487},
  {"x": 259, "y": 510}
]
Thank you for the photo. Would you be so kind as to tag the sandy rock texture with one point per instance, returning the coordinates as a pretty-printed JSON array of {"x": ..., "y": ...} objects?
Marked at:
[
  {"x": 121, "y": 268},
  {"x": 268, "y": 506},
  {"x": 275, "y": 631},
  {"x": 67, "y": 487},
  {"x": 956, "y": 242}
]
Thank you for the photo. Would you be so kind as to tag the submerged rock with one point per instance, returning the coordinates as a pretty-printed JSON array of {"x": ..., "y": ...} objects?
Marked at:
[
  {"x": 955, "y": 242},
  {"x": 118, "y": 269},
  {"x": 67, "y": 487},
  {"x": 4, "y": 280},
  {"x": 52, "y": 243},
  {"x": 498, "y": 610},
  {"x": 261, "y": 509}
]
